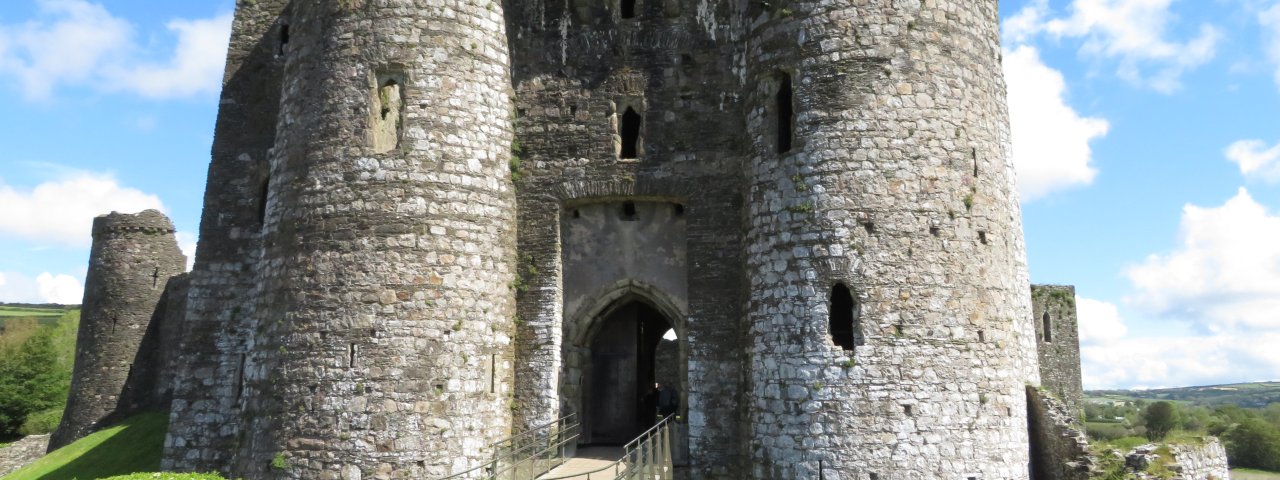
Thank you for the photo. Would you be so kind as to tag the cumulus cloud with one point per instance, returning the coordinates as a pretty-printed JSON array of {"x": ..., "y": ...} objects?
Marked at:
[
  {"x": 61, "y": 211},
  {"x": 80, "y": 43},
  {"x": 1050, "y": 139},
  {"x": 1112, "y": 358},
  {"x": 1131, "y": 33},
  {"x": 1256, "y": 160},
  {"x": 1099, "y": 322},
  {"x": 1224, "y": 273},
  {"x": 45, "y": 288}
]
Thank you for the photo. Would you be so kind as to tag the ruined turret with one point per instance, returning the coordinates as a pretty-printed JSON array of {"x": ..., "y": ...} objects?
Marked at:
[{"x": 132, "y": 258}]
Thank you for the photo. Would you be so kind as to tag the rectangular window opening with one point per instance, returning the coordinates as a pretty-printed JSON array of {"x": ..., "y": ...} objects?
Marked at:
[
  {"x": 387, "y": 113},
  {"x": 785, "y": 113},
  {"x": 629, "y": 128},
  {"x": 353, "y": 352},
  {"x": 628, "y": 9}
]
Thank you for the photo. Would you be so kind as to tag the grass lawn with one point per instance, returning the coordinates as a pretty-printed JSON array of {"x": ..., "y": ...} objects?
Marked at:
[
  {"x": 132, "y": 446},
  {"x": 1250, "y": 474},
  {"x": 30, "y": 312}
]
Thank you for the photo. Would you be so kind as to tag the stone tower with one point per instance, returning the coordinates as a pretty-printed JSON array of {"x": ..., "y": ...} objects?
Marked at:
[
  {"x": 132, "y": 258},
  {"x": 415, "y": 242},
  {"x": 887, "y": 208},
  {"x": 1053, "y": 313},
  {"x": 384, "y": 300}
]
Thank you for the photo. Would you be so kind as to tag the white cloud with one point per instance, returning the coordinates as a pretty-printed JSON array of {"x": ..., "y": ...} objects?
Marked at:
[
  {"x": 1270, "y": 20},
  {"x": 59, "y": 288},
  {"x": 1132, "y": 33},
  {"x": 80, "y": 43},
  {"x": 1225, "y": 272},
  {"x": 62, "y": 211},
  {"x": 1099, "y": 322},
  {"x": 1256, "y": 160},
  {"x": 187, "y": 242},
  {"x": 1050, "y": 140},
  {"x": 1111, "y": 358},
  {"x": 45, "y": 288}
]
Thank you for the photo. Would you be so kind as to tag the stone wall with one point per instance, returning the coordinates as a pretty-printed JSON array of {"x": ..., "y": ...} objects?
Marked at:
[
  {"x": 1054, "y": 311},
  {"x": 1202, "y": 462},
  {"x": 1059, "y": 448},
  {"x": 220, "y": 319},
  {"x": 18, "y": 454},
  {"x": 132, "y": 258}
]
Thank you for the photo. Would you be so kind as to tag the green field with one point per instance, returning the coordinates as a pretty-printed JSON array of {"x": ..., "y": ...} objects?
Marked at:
[
  {"x": 1248, "y": 395},
  {"x": 8, "y": 311},
  {"x": 1247, "y": 474},
  {"x": 132, "y": 446}
]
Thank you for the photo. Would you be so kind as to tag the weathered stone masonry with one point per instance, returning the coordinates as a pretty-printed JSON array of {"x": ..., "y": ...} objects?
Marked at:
[
  {"x": 431, "y": 223},
  {"x": 130, "y": 264}
]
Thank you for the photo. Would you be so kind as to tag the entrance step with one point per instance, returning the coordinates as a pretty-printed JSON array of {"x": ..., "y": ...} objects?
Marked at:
[{"x": 587, "y": 460}]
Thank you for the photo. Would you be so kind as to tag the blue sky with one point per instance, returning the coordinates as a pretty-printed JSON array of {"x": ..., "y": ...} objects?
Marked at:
[{"x": 1146, "y": 137}]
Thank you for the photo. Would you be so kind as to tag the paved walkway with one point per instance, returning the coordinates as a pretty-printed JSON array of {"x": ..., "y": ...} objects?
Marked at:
[{"x": 588, "y": 459}]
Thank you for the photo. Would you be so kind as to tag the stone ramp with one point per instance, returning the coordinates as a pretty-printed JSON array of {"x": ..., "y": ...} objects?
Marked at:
[
  {"x": 18, "y": 454},
  {"x": 586, "y": 460}
]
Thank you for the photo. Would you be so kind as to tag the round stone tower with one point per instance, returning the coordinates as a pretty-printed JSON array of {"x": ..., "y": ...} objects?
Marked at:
[
  {"x": 133, "y": 255},
  {"x": 888, "y": 316},
  {"x": 383, "y": 345}
]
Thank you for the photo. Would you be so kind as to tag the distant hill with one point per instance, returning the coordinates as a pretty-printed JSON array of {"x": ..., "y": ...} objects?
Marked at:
[{"x": 1250, "y": 395}]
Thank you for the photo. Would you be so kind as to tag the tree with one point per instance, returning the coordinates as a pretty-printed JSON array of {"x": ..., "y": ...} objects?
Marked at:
[
  {"x": 1254, "y": 443},
  {"x": 1160, "y": 418}
]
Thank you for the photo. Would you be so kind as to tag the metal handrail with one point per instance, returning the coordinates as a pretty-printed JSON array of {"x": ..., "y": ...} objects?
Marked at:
[
  {"x": 641, "y": 458},
  {"x": 513, "y": 452}
]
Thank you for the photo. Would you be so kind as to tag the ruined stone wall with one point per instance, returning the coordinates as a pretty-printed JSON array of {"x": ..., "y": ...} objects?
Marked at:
[
  {"x": 219, "y": 318},
  {"x": 150, "y": 382},
  {"x": 1054, "y": 307},
  {"x": 1059, "y": 448},
  {"x": 1206, "y": 461},
  {"x": 133, "y": 256},
  {"x": 899, "y": 185},
  {"x": 383, "y": 347},
  {"x": 578, "y": 67}
]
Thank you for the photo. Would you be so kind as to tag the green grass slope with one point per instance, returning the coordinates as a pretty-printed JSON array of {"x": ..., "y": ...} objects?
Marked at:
[{"x": 132, "y": 446}]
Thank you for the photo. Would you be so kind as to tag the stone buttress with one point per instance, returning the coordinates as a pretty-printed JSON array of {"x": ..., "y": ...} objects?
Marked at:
[
  {"x": 132, "y": 258},
  {"x": 385, "y": 304},
  {"x": 897, "y": 187}
]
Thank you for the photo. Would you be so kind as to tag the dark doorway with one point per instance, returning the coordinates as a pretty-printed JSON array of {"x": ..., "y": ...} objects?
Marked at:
[{"x": 624, "y": 350}]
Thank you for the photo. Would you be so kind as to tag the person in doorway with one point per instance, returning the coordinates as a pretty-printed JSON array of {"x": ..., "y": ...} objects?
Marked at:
[{"x": 668, "y": 399}]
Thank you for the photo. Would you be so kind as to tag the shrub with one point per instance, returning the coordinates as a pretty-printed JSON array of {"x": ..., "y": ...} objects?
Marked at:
[
  {"x": 1159, "y": 418},
  {"x": 42, "y": 422}
]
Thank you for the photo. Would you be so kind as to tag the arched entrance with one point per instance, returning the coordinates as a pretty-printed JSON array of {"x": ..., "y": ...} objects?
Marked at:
[{"x": 627, "y": 355}]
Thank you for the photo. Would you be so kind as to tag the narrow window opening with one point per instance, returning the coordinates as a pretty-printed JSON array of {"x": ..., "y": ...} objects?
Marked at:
[
  {"x": 284, "y": 40},
  {"x": 875, "y": 476},
  {"x": 870, "y": 227},
  {"x": 899, "y": 330},
  {"x": 843, "y": 318},
  {"x": 573, "y": 111},
  {"x": 240, "y": 378},
  {"x": 114, "y": 321},
  {"x": 387, "y": 119},
  {"x": 975, "y": 161},
  {"x": 155, "y": 277},
  {"x": 935, "y": 231},
  {"x": 820, "y": 473},
  {"x": 493, "y": 373},
  {"x": 982, "y": 237},
  {"x": 630, "y": 134},
  {"x": 520, "y": 112},
  {"x": 1048, "y": 327},
  {"x": 786, "y": 114},
  {"x": 577, "y": 213},
  {"x": 679, "y": 209},
  {"x": 907, "y": 409},
  {"x": 353, "y": 351},
  {"x": 262, "y": 201},
  {"x": 628, "y": 8},
  {"x": 628, "y": 210},
  {"x": 982, "y": 336}
]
